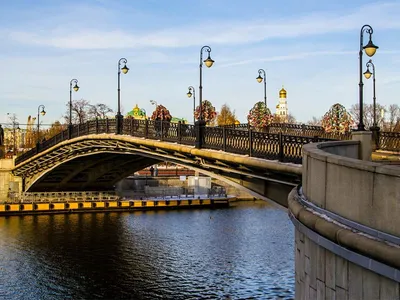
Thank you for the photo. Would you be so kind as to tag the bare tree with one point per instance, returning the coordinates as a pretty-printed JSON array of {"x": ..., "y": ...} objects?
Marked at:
[
  {"x": 368, "y": 112},
  {"x": 99, "y": 111},
  {"x": 291, "y": 118},
  {"x": 315, "y": 121},
  {"x": 80, "y": 110},
  {"x": 394, "y": 116}
]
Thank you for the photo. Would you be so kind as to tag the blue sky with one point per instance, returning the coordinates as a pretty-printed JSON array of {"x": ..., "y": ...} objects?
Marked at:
[{"x": 310, "y": 46}]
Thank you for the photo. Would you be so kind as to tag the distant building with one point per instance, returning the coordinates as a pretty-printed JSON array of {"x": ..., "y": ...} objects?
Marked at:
[
  {"x": 282, "y": 107},
  {"x": 137, "y": 113}
]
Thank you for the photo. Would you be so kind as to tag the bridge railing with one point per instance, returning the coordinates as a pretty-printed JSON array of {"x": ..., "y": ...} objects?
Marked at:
[
  {"x": 389, "y": 141},
  {"x": 281, "y": 142},
  {"x": 28, "y": 197}
]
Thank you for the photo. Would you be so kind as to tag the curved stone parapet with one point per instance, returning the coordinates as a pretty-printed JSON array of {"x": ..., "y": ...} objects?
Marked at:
[
  {"x": 347, "y": 226},
  {"x": 362, "y": 191}
]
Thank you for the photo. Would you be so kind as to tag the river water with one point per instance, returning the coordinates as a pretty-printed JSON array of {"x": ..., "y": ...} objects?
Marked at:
[{"x": 242, "y": 252}]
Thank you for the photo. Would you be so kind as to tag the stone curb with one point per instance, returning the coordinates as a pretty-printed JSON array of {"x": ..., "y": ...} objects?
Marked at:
[{"x": 375, "y": 249}]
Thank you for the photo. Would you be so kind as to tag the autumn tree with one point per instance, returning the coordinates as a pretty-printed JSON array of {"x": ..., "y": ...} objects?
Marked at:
[
  {"x": 55, "y": 129},
  {"x": 226, "y": 116},
  {"x": 207, "y": 110},
  {"x": 260, "y": 116}
]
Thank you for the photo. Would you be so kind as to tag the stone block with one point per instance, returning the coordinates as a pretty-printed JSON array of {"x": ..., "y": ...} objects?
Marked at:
[
  {"x": 370, "y": 285},
  {"x": 349, "y": 192},
  {"x": 320, "y": 290},
  {"x": 321, "y": 264},
  {"x": 341, "y": 273},
  {"x": 365, "y": 138},
  {"x": 317, "y": 182},
  {"x": 341, "y": 294},
  {"x": 330, "y": 294},
  {"x": 355, "y": 282},
  {"x": 386, "y": 203},
  {"x": 330, "y": 270},
  {"x": 312, "y": 293},
  {"x": 389, "y": 289}
]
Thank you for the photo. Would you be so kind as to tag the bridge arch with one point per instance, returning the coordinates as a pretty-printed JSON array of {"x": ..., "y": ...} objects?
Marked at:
[{"x": 97, "y": 162}]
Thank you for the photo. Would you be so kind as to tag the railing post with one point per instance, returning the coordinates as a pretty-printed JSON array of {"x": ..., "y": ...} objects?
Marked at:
[
  {"x": 106, "y": 125},
  {"x": 199, "y": 128},
  {"x": 78, "y": 127},
  {"x": 97, "y": 125},
  {"x": 132, "y": 124},
  {"x": 146, "y": 129},
  {"x": 179, "y": 132},
  {"x": 250, "y": 142},
  {"x": 303, "y": 129},
  {"x": 375, "y": 137},
  {"x": 280, "y": 137},
  {"x": 224, "y": 138},
  {"x": 120, "y": 121}
]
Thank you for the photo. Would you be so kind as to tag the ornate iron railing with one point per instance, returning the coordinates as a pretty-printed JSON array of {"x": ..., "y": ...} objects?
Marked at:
[
  {"x": 389, "y": 141},
  {"x": 282, "y": 142}
]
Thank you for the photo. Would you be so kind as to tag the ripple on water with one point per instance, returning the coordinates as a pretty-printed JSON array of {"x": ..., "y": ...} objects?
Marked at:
[{"x": 244, "y": 252}]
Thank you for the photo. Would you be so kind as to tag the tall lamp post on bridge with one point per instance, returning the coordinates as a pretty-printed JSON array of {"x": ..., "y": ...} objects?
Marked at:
[
  {"x": 124, "y": 70},
  {"x": 370, "y": 50},
  {"x": 374, "y": 128},
  {"x": 189, "y": 94},
  {"x": 368, "y": 75},
  {"x": 200, "y": 124},
  {"x": 208, "y": 62},
  {"x": 75, "y": 88},
  {"x": 260, "y": 79},
  {"x": 41, "y": 106}
]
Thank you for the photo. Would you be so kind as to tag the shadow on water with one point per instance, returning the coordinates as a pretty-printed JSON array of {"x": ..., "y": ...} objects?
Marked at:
[{"x": 245, "y": 251}]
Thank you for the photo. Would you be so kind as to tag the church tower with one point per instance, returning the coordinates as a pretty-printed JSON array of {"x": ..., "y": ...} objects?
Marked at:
[{"x": 281, "y": 107}]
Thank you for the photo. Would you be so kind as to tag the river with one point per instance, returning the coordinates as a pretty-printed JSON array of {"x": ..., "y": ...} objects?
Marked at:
[{"x": 242, "y": 252}]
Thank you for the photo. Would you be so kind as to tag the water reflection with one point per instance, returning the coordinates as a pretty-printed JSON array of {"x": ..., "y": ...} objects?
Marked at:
[{"x": 244, "y": 252}]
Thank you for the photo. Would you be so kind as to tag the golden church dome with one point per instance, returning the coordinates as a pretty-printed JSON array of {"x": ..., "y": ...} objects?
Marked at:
[{"x": 282, "y": 93}]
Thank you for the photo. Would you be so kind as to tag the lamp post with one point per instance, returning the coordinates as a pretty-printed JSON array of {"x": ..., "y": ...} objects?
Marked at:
[
  {"x": 260, "y": 79},
  {"x": 41, "y": 106},
  {"x": 189, "y": 94},
  {"x": 124, "y": 70},
  {"x": 208, "y": 62},
  {"x": 76, "y": 88},
  {"x": 370, "y": 50},
  {"x": 368, "y": 75}
]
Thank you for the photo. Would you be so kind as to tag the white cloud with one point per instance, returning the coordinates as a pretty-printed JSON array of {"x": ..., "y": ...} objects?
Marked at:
[{"x": 228, "y": 32}]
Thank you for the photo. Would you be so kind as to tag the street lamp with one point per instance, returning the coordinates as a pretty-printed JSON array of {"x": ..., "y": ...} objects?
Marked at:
[
  {"x": 41, "y": 106},
  {"x": 189, "y": 94},
  {"x": 260, "y": 79},
  {"x": 76, "y": 88},
  {"x": 124, "y": 70},
  {"x": 368, "y": 75},
  {"x": 370, "y": 50},
  {"x": 208, "y": 62}
]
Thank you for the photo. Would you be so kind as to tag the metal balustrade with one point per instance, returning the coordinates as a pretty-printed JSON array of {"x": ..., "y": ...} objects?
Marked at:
[{"x": 282, "y": 142}]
